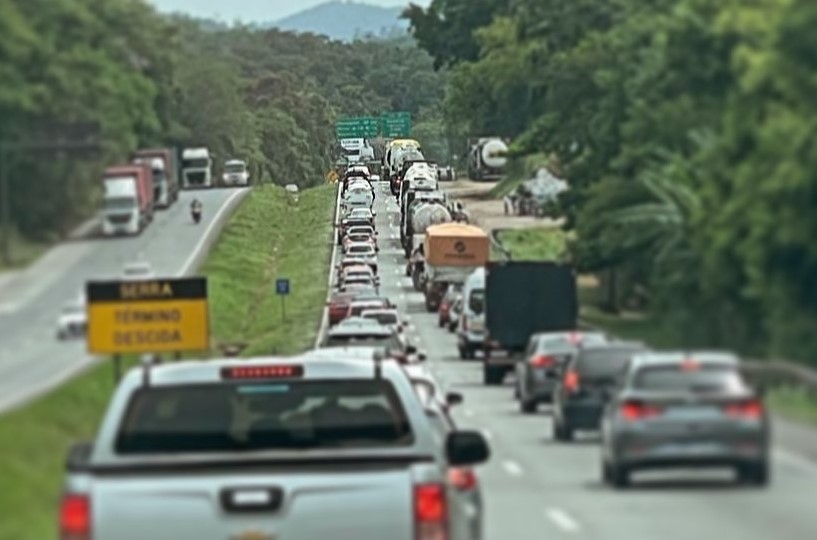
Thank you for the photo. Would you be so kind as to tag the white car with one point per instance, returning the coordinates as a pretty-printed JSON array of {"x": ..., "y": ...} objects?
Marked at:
[
  {"x": 386, "y": 317},
  {"x": 73, "y": 320},
  {"x": 137, "y": 271}
]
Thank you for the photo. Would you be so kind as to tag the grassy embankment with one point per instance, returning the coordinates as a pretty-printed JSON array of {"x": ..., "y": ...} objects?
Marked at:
[
  {"x": 549, "y": 244},
  {"x": 269, "y": 237}
]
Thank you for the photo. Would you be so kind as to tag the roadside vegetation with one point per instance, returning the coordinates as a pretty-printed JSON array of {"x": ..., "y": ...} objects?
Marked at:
[
  {"x": 266, "y": 96},
  {"x": 268, "y": 237},
  {"x": 687, "y": 130},
  {"x": 535, "y": 244}
]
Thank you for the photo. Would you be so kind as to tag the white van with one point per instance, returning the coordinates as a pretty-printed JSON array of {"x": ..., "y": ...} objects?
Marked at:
[{"x": 471, "y": 330}]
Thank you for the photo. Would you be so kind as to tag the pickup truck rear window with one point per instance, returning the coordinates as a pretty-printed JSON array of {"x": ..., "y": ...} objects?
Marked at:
[{"x": 266, "y": 415}]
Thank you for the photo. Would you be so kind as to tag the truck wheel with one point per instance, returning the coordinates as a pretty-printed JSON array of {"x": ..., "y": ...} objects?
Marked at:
[
  {"x": 492, "y": 375},
  {"x": 619, "y": 476}
]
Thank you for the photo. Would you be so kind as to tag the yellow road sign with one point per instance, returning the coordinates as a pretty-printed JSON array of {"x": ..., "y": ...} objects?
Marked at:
[
  {"x": 332, "y": 177},
  {"x": 155, "y": 316}
]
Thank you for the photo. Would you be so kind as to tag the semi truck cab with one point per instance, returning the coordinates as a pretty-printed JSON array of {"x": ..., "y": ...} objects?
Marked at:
[{"x": 197, "y": 167}]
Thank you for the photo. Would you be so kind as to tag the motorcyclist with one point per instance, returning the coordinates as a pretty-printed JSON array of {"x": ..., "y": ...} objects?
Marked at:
[{"x": 195, "y": 209}]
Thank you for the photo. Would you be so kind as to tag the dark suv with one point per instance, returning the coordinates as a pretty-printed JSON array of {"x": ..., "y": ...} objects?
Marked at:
[{"x": 589, "y": 381}]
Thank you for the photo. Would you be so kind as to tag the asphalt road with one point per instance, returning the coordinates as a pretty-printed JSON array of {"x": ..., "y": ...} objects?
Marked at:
[
  {"x": 32, "y": 360},
  {"x": 535, "y": 488}
]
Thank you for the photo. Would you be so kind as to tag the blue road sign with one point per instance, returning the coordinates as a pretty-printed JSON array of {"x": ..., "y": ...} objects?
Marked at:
[{"x": 282, "y": 286}]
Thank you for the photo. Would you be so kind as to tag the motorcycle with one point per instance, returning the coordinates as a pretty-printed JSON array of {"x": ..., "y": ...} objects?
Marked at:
[{"x": 195, "y": 212}]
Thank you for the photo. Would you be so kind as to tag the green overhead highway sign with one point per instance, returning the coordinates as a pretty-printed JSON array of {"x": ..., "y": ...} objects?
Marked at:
[
  {"x": 394, "y": 125},
  {"x": 363, "y": 127}
]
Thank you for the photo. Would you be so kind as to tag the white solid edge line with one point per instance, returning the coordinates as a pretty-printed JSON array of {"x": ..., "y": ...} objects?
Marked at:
[
  {"x": 487, "y": 434},
  {"x": 204, "y": 237},
  {"x": 512, "y": 468},
  {"x": 794, "y": 459},
  {"x": 562, "y": 520},
  {"x": 333, "y": 261}
]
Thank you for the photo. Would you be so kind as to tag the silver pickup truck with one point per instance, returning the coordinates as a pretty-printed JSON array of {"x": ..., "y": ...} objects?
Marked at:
[{"x": 268, "y": 449}]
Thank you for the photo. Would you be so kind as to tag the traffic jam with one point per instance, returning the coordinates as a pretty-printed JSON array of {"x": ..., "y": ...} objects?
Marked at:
[{"x": 361, "y": 437}]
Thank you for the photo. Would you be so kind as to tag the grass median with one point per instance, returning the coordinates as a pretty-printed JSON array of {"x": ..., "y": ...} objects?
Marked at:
[{"x": 267, "y": 238}]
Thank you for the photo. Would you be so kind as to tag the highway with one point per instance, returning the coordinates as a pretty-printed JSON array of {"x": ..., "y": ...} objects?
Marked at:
[
  {"x": 535, "y": 488},
  {"x": 32, "y": 360}
]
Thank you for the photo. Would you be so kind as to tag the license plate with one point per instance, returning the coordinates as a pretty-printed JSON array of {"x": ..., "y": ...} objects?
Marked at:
[{"x": 692, "y": 412}]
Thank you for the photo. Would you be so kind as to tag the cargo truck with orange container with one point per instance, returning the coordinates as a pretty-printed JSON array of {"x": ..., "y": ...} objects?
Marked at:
[{"x": 452, "y": 252}]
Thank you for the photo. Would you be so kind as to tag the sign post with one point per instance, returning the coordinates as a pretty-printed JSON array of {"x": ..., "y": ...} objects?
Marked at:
[
  {"x": 152, "y": 316},
  {"x": 282, "y": 289}
]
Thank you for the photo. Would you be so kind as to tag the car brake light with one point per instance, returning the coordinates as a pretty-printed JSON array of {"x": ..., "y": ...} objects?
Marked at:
[
  {"x": 571, "y": 381},
  {"x": 635, "y": 410},
  {"x": 75, "y": 518},
  {"x": 689, "y": 365},
  {"x": 542, "y": 361},
  {"x": 574, "y": 338},
  {"x": 430, "y": 512},
  {"x": 747, "y": 409},
  {"x": 262, "y": 372},
  {"x": 462, "y": 479}
]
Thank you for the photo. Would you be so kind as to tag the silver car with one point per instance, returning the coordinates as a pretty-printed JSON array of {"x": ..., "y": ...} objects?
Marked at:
[{"x": 685, "y": 409}]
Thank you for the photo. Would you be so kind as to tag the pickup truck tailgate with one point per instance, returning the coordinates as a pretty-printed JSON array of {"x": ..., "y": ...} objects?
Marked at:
[{"x": 292, "y": 505}]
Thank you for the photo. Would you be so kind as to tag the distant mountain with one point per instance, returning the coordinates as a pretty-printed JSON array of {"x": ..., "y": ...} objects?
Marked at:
[{"x": 346, "y": 21}]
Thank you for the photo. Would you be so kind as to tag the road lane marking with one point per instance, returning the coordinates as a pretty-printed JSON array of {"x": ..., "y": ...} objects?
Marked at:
[
  {"x": 512, "y": 468},
  {"x": 562, "y": 520},
  {"x": 487, "y": 434},
  {"x": 468, "y": 413}
]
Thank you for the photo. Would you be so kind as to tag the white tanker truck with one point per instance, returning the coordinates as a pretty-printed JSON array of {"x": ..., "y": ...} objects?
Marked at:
[{"x": 487, "y": 158}]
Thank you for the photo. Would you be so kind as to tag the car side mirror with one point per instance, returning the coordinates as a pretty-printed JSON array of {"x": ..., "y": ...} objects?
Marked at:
[
  {"x": 411, "y": 349},
  {"x": 463, "y": 448},
  {"x": 452, "y": 399}
]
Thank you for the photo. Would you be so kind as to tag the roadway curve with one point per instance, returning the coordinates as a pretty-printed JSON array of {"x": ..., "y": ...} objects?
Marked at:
[
  {"x": 535, "y": 488},
  {"x": 32, "y": 360}
]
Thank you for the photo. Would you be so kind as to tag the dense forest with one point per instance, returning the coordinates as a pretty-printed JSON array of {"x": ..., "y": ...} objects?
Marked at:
[
  {"x": 267, "y": 96},
  {"x": 688, "y": 130}
]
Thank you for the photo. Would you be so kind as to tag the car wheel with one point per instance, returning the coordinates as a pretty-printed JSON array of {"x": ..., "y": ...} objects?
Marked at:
[
  {"x": 606, "y": 476},
  {"x": 756, "y": 474},
  {"x": 463, "y": 353},
  {"x": 619, "y": 476},
  {"x": 492, "y": 375},
  {"x": 528, "y": 406},
  {"x": 562, "y": 432}
]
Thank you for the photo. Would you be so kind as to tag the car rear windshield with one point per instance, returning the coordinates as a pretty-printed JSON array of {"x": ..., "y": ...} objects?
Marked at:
[
  {"x": 235, "y": 168},
  {"x": 363, "y": 340},
  {"x": 361, "y": 249},
  {"x": 706, "y": 378},
  {"x": 565, "y": 344},
  {"x": 605, "y": 363},
  {"x": 264, "y": 416},
  {"x": 383, "y": 318}
]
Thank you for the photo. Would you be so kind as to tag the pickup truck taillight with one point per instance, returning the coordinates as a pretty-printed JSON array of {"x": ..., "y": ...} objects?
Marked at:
[
  {"x": 430, "y": 512},
  {"x": 75, "y": 517}
]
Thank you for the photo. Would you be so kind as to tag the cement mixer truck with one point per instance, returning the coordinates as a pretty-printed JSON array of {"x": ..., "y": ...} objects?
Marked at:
[{"x": 487, "y": 158}]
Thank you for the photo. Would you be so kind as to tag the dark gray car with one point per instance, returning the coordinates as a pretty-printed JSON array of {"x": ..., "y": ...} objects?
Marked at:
[
  {"x": 538, "y": 371},
  {"x": 589, "y": 381},
  {"x": 685, "y": 409}
]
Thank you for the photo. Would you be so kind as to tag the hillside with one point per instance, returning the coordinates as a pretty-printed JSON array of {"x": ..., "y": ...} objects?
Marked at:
[{"x": 345, "y": 21}]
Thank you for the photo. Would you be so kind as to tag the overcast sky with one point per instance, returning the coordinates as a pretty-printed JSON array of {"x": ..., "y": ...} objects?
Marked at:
[{"x": 255, "y": 10}]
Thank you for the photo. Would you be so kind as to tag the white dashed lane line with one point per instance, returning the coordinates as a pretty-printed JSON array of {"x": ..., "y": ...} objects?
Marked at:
[
  {"x": 562, "y": 520},
  {"x": 512, "y": 468}
]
